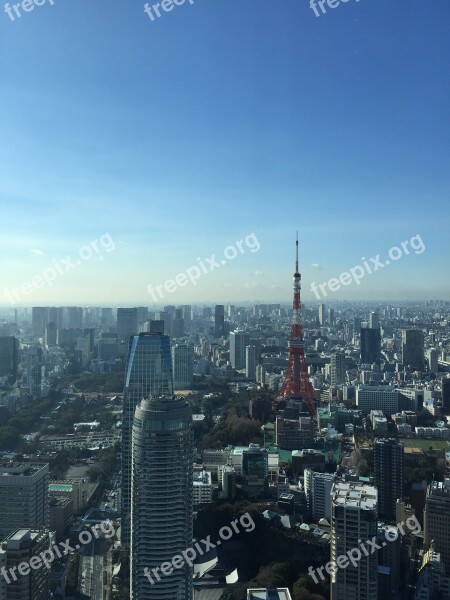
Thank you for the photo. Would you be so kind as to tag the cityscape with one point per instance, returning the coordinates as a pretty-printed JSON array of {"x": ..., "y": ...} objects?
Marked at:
[
  {"x": 258, "y": 451},
  {"x": 224, "y": 300}
]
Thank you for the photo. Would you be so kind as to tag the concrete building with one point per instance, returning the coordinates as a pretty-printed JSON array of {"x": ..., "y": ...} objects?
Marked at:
[
  {"x": 148, "y": 373},
  {"x": 255, "y": 471},
  {"x": 268, "y": 594},
  {"x": 202, "y": 487},
  {"x": 353, "y": 519},
  {"x": 60, "y": 515},
  {"x": 219, "y": 321},
  {"x": 437, "y": 519},
  {"x": 239, "y": 340},
  {"x": 337, "y": 368},
  {"x": 294, "y": 434},
  {"x": 250, "y": 362},
  {"x": 183, "y": 366},
  {"x": 161, "y": 497},
  {"x": 23, "y": 497},
  {"x": 318, "y": 494},
  {"x": 19, "y": 548},
  {"x": 9, "y": 357},
  {"x": 384, "y": 398},
  {"x": 388, "y": 470},
  {"x": 370, "y": 346},
  {"x": 413, "y": 349}
]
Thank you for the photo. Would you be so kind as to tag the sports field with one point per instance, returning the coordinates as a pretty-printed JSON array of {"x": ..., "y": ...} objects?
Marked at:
[{"x": 425, "y": 444}]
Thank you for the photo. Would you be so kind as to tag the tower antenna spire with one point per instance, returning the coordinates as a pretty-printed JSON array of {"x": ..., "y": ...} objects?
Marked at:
[{"x": 296, "y": 384}]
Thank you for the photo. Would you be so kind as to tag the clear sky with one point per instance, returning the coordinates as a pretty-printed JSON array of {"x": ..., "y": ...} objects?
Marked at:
[{"x": 180, "y": 136}]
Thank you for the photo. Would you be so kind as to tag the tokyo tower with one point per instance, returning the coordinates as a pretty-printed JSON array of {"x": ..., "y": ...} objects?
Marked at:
[{"x": 296, "y": 384}]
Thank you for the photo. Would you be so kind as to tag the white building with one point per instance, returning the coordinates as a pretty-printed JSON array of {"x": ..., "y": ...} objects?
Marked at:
[
  {"x": 384, "y": 398},
  {"x": 23, "y": 497},
  {"x": 202, "y": 487}
]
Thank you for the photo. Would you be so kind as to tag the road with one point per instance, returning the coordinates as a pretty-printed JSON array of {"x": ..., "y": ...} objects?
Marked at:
[{"x": 91, "y": 570}]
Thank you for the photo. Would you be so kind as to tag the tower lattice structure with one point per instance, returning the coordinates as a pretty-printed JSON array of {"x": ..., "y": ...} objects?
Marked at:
[{"x": 296, "y": 384}]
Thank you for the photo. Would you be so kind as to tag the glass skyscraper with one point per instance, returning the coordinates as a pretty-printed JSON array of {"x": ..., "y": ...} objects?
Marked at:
[
  {"x": 161, "y": 498},
  {"x": 148, "y": 373}
]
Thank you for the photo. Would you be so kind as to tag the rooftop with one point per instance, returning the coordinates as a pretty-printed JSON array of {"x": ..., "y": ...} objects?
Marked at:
[{"x": 354, "y": 494}]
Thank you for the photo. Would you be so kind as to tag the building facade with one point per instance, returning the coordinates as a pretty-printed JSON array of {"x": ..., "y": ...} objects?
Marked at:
[
  {"x": 148, "y": 373},
  {"x": 161, "y": 498}
]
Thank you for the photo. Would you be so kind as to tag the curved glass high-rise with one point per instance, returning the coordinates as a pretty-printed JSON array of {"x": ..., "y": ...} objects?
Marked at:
[
  {"x": 148, "y": 373},
  {"x": 161, "y": 498}
]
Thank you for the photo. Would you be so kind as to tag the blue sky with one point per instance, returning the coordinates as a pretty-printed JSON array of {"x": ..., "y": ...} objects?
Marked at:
[{"x": 181, "y": 136}]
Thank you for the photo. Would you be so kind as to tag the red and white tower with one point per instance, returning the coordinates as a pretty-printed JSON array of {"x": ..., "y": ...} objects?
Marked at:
[{"x": 296, "y": 384}]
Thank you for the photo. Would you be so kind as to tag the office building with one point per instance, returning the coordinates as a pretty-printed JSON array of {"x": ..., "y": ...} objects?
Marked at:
[
  {"x": 9, "y": 357},
  {"x": 268, "y": 594},
  {"x": 219, "y": 321},
  {"x": 445, "y": 387},
  {"x": 51, "y": 335},
  {"x": 148, "y": 373},
  {"x": 203, "y": 488},
  {"x": 19, "y": 548},
  {"x": 374, "y": 320},
  {"x": 250, "y": 362},
  {"x": 255, "y": 472},
  {"x": 162, "y": 497},
  {"x": 413, "y": 349},
  {"x": 384, "y": 398},
  {"x": 294, "y": 434},
  {"x": 388, "y": 469},
  {"x": 337, "y": 368},
  {"x": 322, "y": 314},
  {"x": 33, "y": 371},
  {"x": 318, "y": 493},
  {"x": 127, "y": 325},
  {"x": 178, "y": 324},
  {"x": 353, "y": 520},
  {"x": 433, "y": 358},
  {"x": 23, "y": 497},
  {"x": 370, "y": 346},
  {"x": 437, "y": 519},
  {"x": 183, "y": 366},
  {"x": 239, "y": 340}
]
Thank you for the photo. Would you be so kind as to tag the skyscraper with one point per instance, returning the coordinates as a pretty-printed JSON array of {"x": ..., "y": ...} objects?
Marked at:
[
  {"x": 127, "y": 325},
  {"x": 178, "y": 324},
  {"x": 238, "y": 342},
  {"x": 250, "y": 362},
  {"x": 388, "y": 467},
  {"x": 322, "y": 314},
  {"x": 437, "y": 519},
  {"x": 338, "y": 368},
  {"x": 148, "y": 373},
  {"x": 33, "y": 370},
  {"x": 413, "y": 348},
  {"x": 219, "y": 320},
  {"x": 433, "y": 358},
  {"x": 9, "y": 357},
  {"x": 162, "y": 498},
  {"x": 353, "y": 520},
  {"x": 446, "y": 393},
  {"x": 374, "y": 320},
  {"x": 183, "y": 366},
  {"x": 370, "y": 345}
]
